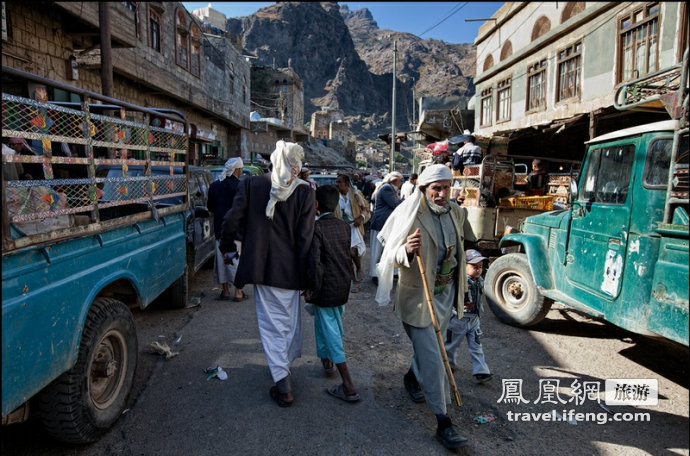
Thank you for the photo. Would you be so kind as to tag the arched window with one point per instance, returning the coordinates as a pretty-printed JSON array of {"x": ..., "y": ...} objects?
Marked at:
[
  {"x": 284, "y": 85},
  {"x": 244, "y": 89},
  {"x": 488, "y": 63},
  {"x": 571, "y": 9},
  {"x": 542, "y": 26},
  {"x": 506, "y": 50},
  {"x": 181, "y": 39},
  {"x": 195, "y": 57}
]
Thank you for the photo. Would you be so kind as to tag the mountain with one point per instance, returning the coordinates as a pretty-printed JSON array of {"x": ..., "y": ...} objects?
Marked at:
[{"x": 345, "y": 61}]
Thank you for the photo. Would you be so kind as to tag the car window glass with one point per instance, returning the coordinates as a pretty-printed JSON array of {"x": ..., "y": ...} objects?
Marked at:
[
  {"x": 608, "y": 175},
  {"x": 658, "y": 160}
]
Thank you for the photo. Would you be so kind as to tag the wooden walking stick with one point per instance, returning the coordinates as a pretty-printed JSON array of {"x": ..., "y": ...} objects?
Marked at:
[{"x": 437, "y": 328}]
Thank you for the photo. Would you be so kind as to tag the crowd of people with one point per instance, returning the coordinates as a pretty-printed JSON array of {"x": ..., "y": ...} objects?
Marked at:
[{"x": 304, "y": 243}]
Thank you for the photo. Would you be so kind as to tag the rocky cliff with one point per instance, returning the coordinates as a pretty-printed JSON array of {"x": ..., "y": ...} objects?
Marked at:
[{"x": 345, "y": 61}]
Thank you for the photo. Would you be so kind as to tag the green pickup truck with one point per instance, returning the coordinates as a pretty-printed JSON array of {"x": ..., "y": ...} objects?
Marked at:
[
  {"x": 620, "y": 252},
  {"x": 80, "y": 249}
]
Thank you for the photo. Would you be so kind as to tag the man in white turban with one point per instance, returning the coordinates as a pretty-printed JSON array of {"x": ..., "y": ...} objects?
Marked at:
[
  {"x": 386, "y": 199},
  {"x": 220, "y": 196},
  {"x": 428, "y": 224},
  {"x": 274, "y": 216}
]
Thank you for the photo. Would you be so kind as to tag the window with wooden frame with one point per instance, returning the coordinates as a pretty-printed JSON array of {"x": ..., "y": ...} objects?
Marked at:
[
  {"x": 536, "y": 86},
  {"x": 154, "y": 30},
  {"x": 503, "y": 99},
  {"x": 195, "y": 47},
  {"x": 569, "y": 61},
  {"x": 181, "y": 39},
  {"x": 486, "y": 103},
  {"x": 638, "y": 43}
]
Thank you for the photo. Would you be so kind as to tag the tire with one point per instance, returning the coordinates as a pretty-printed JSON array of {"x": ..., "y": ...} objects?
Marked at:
[
  {"x": 511, "y": 292},
  {"x": 84, "y": 402}
]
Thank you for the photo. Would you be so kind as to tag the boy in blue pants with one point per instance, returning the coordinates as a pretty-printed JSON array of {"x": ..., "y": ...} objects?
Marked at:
[
  {"x": 468, "y": 325},
  {"x": 329, "y": 275}
]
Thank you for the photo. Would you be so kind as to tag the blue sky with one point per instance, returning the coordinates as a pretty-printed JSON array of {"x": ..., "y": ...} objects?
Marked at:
[{"x": 439, "y": 20}]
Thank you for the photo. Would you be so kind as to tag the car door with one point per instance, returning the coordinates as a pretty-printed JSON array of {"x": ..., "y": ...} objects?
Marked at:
[
  {"x": 203, "y": 239},
  {"x": 600, "y": 222}
]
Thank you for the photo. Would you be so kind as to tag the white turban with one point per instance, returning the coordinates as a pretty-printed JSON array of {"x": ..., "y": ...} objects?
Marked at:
[
  {"x": 390, "y": 177},
  {"x": 230, "y": 166},
  {"x": 434, "y": 173},
  {"x": 287, "y": 164},
  {"x": 395, "y": 230}
]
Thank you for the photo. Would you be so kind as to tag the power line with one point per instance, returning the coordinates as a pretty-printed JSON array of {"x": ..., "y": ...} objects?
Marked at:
[{"x": 451, "y": 13}]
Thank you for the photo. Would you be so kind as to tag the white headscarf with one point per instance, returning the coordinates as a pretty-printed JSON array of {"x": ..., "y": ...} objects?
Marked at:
[
  {"x": 287, "y": 164},
  {"x": 395, "y": 230},
  {"x": 230, "y": 166},
  {"x": 390, "y": 177}
]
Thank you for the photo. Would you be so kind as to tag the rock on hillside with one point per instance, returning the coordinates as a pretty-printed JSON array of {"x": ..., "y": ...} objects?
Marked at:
[{"x": 345, "y": 61}]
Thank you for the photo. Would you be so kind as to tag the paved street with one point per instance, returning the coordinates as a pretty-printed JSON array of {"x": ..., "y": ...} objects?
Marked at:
[{"x": 175, "y": 410}]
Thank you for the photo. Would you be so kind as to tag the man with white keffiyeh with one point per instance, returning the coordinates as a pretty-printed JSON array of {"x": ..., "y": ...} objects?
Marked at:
[
  {"x": 274, "y": 216},
  {"x": 429, "y": 224}
]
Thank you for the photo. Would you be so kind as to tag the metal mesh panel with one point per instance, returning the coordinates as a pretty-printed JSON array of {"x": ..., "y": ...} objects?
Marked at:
[{"x": 80, "y": 167}]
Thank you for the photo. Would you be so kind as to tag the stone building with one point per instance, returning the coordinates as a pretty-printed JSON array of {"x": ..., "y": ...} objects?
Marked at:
[
  {"x": 277, "y": 101},
  {"x": 547, "y": 73},
  {"x": 161, "y": 58},
  {"x": 321, "y": 122}
]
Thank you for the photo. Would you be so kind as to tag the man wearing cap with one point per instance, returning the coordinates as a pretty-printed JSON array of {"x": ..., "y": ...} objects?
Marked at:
[
  {"x": 467, "y": 325},
  {"x": 273, "y": 214},
  {"x": 220, "y": 196},
  {"x": 427, "y": 224}
]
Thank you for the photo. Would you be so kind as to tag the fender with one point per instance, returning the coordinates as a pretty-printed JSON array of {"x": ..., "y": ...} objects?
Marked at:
[{"x": 536, "y": 250}]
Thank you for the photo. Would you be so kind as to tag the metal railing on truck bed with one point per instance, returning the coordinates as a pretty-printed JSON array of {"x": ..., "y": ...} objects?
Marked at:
[{"x": 51, "y": 188}]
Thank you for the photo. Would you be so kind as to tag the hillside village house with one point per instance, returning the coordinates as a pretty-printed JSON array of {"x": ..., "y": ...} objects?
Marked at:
[
  {"x": 161, "y": 57},
  {"x": 329, "y": 126},
  {"x": 547, "y": 72}
]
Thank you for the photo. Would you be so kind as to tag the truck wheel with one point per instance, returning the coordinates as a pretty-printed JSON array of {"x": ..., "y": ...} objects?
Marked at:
[
  {"x": 84, "y": 402},
  {"x": 511, "y": 292}
]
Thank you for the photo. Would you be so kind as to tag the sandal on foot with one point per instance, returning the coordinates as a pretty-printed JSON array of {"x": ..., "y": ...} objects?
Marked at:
[
  {"x": 243, "y": 298},
  {"x": 275, "y": 395},
  {"x": 339, "y": 392},
  {"x": 221, "y": 297}
]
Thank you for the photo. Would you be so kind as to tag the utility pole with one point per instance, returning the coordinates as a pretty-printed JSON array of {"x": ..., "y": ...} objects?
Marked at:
[
  {"x": 395, "y": 51},
  {"x": 414, "y": 123},
  {"x": 106, "y": 52}
]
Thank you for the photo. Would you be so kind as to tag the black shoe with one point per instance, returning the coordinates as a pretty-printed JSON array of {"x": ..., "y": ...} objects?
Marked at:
[
  {"x": 413, "y": 388},
  {"x": 483, "y": 378},
  {"x": 450, "y": 438}
]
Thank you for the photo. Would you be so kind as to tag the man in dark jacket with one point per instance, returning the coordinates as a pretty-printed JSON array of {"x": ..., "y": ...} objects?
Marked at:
[
  {"x": 274, "y": 216},
  {"x": 220, "y": 196}
]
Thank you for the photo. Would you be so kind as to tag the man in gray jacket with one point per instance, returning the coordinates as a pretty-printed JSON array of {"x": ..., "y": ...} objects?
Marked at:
[{"x": 428, "y": 224}]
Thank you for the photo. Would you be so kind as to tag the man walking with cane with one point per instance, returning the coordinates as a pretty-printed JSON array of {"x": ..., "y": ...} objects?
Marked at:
[{"x": 429, "y": 225}]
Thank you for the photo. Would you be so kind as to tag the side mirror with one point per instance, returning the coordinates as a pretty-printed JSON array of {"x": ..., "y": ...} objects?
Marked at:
[{"x": 572, "y": 195}]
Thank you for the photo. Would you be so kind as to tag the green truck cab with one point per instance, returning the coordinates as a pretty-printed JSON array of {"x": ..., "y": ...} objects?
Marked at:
[
  {"x": 81, "y": 249},
  {"x": 620, "y": 252}
]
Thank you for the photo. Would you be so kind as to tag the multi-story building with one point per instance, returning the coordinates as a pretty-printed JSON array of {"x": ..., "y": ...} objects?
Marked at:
[
  {"x": 547, "y": 72},
  {"x": 160, "y": 57},
  {"x": 277, "y": 99},
  {"x": 320, "y": 127}
]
